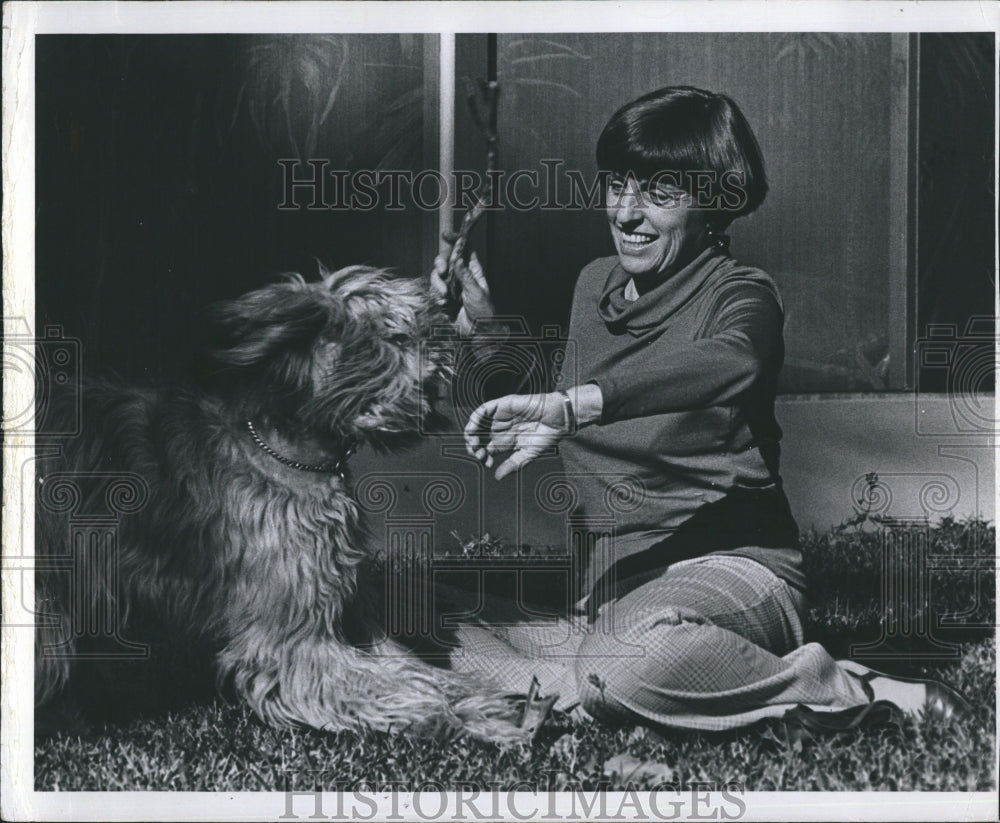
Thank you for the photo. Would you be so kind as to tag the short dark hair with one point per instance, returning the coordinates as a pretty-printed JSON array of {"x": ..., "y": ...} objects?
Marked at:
[{"x": 679, "y": 133}]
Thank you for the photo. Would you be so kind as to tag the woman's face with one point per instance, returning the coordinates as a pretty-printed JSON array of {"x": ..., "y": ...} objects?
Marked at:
[{"x": 656, "y": 229}]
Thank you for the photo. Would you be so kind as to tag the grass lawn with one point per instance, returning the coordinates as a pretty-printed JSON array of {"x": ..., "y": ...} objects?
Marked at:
[{"x": 220, "y": 747}]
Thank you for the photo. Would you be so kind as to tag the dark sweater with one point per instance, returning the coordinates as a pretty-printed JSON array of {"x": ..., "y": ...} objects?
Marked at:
[{"x": 685, "y": 456}]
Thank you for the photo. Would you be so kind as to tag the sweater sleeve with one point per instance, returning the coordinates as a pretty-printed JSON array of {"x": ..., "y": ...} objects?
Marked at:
[{"x": 742, "y": 344}]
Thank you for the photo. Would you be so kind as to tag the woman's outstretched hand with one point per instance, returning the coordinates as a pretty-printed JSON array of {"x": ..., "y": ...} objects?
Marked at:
[{"x": 524, "y": 424}]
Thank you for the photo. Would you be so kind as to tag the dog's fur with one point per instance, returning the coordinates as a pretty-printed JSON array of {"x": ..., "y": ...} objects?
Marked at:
[{"x": 256, "y": 563}]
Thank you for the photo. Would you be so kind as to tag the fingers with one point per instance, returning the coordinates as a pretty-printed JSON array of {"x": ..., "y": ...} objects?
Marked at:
[
  {"x": 463, "y": 324},
  {"x": 514, "y": 463},
  {"x": 453, "y": 278},
  {"x": 438, "y": 288},
  {"x": 484, "y": 437},
  {"x": 465, "y": 277},
  {"x": 506, "y": 425},
  {"x": 447, "y": 245},
  {"x": 501, "y": 441},
  {"x": 471, "y": 429},
  {"x": 478, "y": 275},
  {"x": 476, "y": 430},
  {"x": 471, "y": 275},
  {"x": 438, "y": 275}
]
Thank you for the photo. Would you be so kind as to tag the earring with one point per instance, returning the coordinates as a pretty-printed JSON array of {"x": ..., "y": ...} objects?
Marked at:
[{"x": 717, "y": 239}]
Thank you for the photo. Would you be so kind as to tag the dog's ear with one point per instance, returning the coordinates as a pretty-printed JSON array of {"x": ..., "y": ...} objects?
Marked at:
[{"x": 259, "y": 327}]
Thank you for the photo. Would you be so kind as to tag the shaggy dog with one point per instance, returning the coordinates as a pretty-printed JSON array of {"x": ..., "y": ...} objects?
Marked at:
[{"x": 240, "y": 539}]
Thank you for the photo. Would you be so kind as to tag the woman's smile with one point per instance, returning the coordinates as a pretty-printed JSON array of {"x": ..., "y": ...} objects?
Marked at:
[
  {"x": 635, "y": 241},
  {"x": 655, "y": 233}
]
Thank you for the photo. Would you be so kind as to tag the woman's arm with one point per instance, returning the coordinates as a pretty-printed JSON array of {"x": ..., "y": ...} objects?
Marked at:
[{"x": 743, "y": 343}]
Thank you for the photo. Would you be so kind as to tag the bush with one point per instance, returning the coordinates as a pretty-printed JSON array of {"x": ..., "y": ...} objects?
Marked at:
[{"x": 916, "y": 589}]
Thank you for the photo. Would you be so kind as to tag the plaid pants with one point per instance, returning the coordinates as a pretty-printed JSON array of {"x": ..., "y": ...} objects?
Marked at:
[{"x": 711, "y": 643}]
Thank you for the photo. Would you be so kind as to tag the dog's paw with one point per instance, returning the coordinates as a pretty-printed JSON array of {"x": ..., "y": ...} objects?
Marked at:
[
  {"x": 515, "y": 719},
  {"x": 493, "y": 719}
]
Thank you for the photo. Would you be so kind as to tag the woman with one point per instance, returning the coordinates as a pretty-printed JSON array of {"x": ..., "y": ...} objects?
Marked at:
[{"x": 695, "y": 603}]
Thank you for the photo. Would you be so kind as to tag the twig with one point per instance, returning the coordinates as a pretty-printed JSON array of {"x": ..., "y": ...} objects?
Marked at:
[
  {"x": 536, "y": 709},
  {"x": 484, "y": 114}
]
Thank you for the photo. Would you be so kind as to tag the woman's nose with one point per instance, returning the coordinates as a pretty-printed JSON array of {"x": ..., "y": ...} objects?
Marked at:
[{"x": 628, "y": 208}]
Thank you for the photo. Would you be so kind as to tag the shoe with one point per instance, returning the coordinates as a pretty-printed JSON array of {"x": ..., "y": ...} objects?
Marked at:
[
  {"x": 803, "y": 724},
  {"x": 941, "y": 703}
]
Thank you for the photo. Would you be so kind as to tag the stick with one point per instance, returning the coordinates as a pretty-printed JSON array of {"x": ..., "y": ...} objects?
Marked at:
[
  {"x": 484, "y": 104},
  {"x": 536, "y": 709},
  {"x": 483, "y": 108}
]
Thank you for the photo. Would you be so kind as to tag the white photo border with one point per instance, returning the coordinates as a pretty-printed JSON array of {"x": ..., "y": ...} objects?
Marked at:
[{"x": 22, "y": 20}]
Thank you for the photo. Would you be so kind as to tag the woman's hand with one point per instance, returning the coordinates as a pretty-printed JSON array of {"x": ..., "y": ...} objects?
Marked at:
[
  {"x": 524, "y": 424},
  {"x": 528, "y": 424},
  {"x": 472, "y": 287}
]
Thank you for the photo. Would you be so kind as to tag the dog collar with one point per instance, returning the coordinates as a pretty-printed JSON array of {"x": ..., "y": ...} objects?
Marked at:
[{"x": 318, "y": 468}]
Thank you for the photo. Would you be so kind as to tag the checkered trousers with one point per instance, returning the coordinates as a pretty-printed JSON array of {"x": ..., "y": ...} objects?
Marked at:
[{"x": 710, "y": 643}]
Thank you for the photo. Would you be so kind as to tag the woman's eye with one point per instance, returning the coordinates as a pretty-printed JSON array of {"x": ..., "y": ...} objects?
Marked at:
[{"x": 663, "y": 197}]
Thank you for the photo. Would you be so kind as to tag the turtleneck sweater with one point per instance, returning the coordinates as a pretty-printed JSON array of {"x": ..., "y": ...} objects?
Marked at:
[{"x": 684, "y": 460}]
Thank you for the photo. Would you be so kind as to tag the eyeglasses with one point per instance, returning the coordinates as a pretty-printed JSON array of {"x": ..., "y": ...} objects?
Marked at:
[{"x": 661, "y": 194}]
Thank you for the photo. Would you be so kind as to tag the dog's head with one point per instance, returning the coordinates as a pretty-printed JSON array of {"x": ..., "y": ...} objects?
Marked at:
[{"x": 354, "y": 355}]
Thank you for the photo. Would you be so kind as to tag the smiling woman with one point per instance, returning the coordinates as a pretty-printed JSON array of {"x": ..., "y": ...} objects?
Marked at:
[
  {"x": 684, "y": 164},
  {"x": 694, "y": 599},
  {"x": 654, "y": 228}
]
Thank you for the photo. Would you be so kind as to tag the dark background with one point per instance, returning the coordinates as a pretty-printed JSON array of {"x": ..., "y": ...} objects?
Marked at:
[{"x": 158, "y": 183}]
